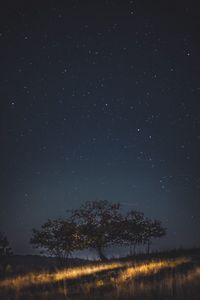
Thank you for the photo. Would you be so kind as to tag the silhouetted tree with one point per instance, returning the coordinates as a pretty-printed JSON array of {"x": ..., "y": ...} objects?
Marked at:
[
  {"x": 133, "y": 229},
  {"x": 5, "y": 249},
  {"x": 99, "y": 224},
  {"x": 152, "y": 229},
  {"x": 96, "y": 224},
  {"x": 57, "y": 237}
]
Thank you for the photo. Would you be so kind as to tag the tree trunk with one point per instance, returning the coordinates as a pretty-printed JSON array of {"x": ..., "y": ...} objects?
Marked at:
[
  {"x": 148, "y": 247},
  {"x": 134, "y": 249},
  {"x": 101, "y": 255}
]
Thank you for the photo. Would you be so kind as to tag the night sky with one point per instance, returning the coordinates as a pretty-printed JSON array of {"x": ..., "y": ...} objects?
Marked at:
[{"x": 100, "y": 100}]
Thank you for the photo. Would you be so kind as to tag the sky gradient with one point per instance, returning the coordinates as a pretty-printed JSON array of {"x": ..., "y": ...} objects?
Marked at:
[{"x": 100, "y": 100}]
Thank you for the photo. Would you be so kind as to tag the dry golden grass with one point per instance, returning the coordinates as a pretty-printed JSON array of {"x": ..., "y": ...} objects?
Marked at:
[
  {"x": 78, "y": 272},
  {"x": 158, "y": 279},
  {"x": 149, "y": 268},
  {"x": 70, "y": 273}
]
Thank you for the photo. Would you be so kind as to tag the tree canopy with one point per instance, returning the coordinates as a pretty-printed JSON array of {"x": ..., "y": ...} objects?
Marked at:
[
  {"x": 57, "y": 237},
  {"x": 96, "y": 224},
  {"x": 99, "y": 224}
]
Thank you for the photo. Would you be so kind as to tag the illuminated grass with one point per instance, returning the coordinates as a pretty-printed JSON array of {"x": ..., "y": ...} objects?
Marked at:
[
  {"x": 71, "y": 273},
  {"x": 128, "y": 271},
  {"x": 128, "y": 274},
  {"x": 149, "y": 268}
]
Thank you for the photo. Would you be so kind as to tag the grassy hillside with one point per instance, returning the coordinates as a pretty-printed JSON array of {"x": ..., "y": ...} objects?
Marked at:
[{"x": 171, "y": 275}]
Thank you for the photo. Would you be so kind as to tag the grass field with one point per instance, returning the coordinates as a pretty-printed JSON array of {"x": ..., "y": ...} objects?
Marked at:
[{"x": 166, "y": 278}]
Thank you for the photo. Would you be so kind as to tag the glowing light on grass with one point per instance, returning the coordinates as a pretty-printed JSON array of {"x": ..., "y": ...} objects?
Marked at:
[
  {"x": 71, "y": 273},
  {"x": 149, "y": 268},
  {"x": 123, "y": 272}
]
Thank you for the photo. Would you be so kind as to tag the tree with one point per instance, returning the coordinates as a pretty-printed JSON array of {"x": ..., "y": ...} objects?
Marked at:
[
  {"x": 133, "y": 229},
  {"x": 96, "y": 224},
  {"x": 57, "y": 237},
  {"x": 5, "y": 249},
  {"x": 152, "y": 229},
  {"x": 99, "y": 223}
]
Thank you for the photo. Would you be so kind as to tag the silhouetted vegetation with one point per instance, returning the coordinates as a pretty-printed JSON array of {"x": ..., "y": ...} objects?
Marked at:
[
  {"x": 5, "y": 249},
  {"x": 97, "y": 224},
  {"x": 5, "y": 253},
  {"x": 58, "y": 238}
]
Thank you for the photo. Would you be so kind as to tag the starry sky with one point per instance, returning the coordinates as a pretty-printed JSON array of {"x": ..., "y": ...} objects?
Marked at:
[{"x": 100, "y": 100}]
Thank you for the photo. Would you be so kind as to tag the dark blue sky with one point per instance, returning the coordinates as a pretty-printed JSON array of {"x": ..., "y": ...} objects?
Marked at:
[{"x": 100, "y": 99}]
